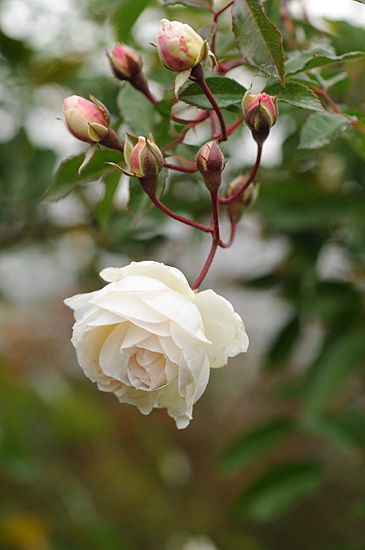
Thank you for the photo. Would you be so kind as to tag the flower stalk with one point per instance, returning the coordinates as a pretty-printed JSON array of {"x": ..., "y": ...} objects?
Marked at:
[{"x": 197, "y": 74}]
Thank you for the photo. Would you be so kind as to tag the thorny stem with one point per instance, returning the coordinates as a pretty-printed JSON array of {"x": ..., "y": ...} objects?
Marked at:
[
  {"x": 177, "y": 217},
  {"x": 215, "y": 241},
  {"x": 198, "y": 75},
  {"x": 243, "y": 187}
]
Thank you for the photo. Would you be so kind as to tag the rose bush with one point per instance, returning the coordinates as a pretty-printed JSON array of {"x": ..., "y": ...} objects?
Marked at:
[{"x": 151, "y": 340}]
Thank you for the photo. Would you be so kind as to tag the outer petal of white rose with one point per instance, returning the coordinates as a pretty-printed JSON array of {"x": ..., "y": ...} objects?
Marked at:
[
  {"x": 223, "y": 327},
  {"x": 145, "y": 401},
  {"x": 79, "y": 303},
  {"x": 181, "y": 408},
  {"x": 170, "y": 276}
]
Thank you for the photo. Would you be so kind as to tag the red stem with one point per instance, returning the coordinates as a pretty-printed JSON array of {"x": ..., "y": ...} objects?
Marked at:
[
  {"x": 179, "y": 168},
  {"x": 177, "y": 217},
  {"x": 185, "y": 160},
  {"x": 216, "y": 15},
  {"x": 199, "y": 118},
  {"x": 151, "y": 98},
  {"x": 322, "y": 92},
  {"x": 288, "y": 25},
  {"x": 148, "y": 94},
  {"x": 233, "y": 126},
  {"x": 226, "y": 66},
  {"x": 198, "y": 76},
  {"x": 213, "y": 123},
  {"x": 231, "y": 237},
  {"x": 243, "y": 187},
  {"x": 215, "y": 242}
]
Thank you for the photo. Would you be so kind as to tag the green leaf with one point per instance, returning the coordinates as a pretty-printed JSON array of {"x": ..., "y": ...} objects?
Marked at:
[
  {"x": 318, "y": 57},
  {"x": 226, "y": 91},
  {"x": 322, "y": 128},
  {"x": 273, "y": 9},
  {"x": 126, "y": 15},
  {"x": 66, "y": 177},
  {"x": 258, "y": 39},
  {"x": 103, "y": 209},
  {"x": 341, "y": 355},
  {"x": 190, "y": 3},
  {"x": 346, "y": 430},
  {"x": 255, "y": 442},
  {"x": 299, "y": 95},
  {"x": 279, "y": 489},
  {"x": 137, "y": 111}
]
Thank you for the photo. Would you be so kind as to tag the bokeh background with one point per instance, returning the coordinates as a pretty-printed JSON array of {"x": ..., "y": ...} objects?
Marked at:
[{"x": 274, "y": 458}]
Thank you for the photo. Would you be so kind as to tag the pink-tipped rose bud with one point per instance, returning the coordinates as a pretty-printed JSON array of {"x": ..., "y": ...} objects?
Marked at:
[
  {"x": 86, "y": 120},
  {"x": 237, "y": 208},
  {"x": 179, "y": 46},
  {"x": 125, "y": 62},
  {"x": 210, "y": 162},
  {"x": 261, "y": 113},
  {"x": 143, "y": 157}
]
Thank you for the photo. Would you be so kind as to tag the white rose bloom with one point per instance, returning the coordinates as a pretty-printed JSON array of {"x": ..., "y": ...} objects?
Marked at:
[{"x": 150, "y": 339}]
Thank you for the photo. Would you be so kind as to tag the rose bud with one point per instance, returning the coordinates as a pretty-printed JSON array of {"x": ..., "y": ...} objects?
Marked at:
[
  {"x": 179, "y": 46},
  {"x": 86, "y": 120},
  {"x": 261, "y": 113},
  {"x": 210, "y": 162},
  {"x": 237, "y": 208},
  {"x": 125, "y": 62},
  {"x": 144, "y": 159}
]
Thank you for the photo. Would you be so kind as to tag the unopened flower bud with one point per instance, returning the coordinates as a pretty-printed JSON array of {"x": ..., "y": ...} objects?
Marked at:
[
  {"x": 261, "y": 113},
  {"x": 143, "y": 157},
  {"x": 210, "y": 162},
  {"x": 86, "y": 120},
  {"x": 237, "y": 208},
  {"x": 125, "y": 62},
  {"x": 179, "y": 46}
]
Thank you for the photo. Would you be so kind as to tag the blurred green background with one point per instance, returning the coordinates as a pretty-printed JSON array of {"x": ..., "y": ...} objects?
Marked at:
[{"x": 274, "y": 458}]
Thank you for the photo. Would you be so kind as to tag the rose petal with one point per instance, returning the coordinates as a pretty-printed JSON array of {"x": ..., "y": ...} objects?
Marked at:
[
  {"x": 223, "y": 327},
  {"x": 113, "y": 362},
  {"x": 170, "y": 276},
  {"x": 79, "y": 303},
  {"x": 129, "y": 306}
]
